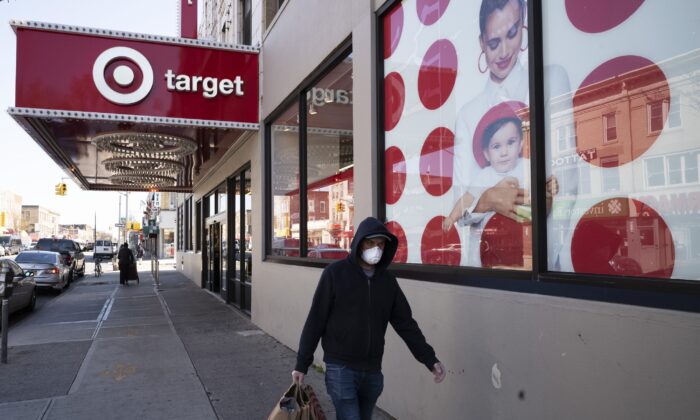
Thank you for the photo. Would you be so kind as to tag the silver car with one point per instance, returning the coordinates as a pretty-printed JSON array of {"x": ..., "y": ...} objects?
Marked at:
[
  {"x": 24, "y": 290},
  {"x": 48, "y": 267}
]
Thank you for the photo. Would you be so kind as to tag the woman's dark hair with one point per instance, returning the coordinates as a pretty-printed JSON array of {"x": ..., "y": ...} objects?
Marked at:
[
  {"x": 490, "y": 6},
  {"x": 495, "y": 126}
]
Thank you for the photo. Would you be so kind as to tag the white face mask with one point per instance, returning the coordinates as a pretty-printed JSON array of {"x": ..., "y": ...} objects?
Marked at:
[{"x": 372, "y": 255}]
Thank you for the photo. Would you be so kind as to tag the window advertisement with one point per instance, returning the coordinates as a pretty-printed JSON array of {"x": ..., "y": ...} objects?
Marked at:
[
  {"x": 330, "y": 164},
  {"x": 456, "y": 125},
  {"x": 284, "y": 149},
  {"x": 623, "y": 140}
]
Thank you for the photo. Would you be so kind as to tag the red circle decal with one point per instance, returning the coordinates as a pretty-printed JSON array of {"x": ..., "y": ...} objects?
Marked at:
[
  {"x": 394, "y": 97},
  {"x": 625, "y": 237},
  {"x": 438, "y": 246},
  {"x": 506, "y": 243},
  {"x": 430, "y": 11},
  {"x": 395, "y": 169},
  {"x": 393, "y": 26},
  {"x": 401, "y": 255},
  {"x": 606, "y": 84},
  {"x": 594, "y": 16},
  {"x": 436, "y": 160},
  {"x": 437, "y": 74}
]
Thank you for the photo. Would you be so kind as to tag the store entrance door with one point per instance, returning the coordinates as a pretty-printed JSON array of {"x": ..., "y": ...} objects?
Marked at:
[
  {"x": 214, "y": 269},
  {"x": 241, "y": 219}
]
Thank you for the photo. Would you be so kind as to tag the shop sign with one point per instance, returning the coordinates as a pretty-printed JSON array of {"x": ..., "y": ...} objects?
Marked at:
[{"x": 97, "y": 71}]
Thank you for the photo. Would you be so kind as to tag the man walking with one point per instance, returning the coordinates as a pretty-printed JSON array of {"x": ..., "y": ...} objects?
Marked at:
[{"x": 354, "y": 301}]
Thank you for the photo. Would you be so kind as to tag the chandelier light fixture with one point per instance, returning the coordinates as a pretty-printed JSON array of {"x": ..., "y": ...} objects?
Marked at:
[{"x": 149, "y": 160}]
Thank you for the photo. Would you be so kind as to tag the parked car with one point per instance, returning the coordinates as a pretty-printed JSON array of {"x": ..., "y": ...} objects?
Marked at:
[
  {"x": 49, "y": 268},
  {"x": 24, "y": 290},
  {"x": 328, "y": 251},
  {"x": 104, "y": 249},
  {"x": 11, "y": 243},
  {"x": 69, "y": 249}
]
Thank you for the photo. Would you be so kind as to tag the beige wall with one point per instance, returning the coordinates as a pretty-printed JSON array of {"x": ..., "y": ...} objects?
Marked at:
[{"x": 509, "y": 355}]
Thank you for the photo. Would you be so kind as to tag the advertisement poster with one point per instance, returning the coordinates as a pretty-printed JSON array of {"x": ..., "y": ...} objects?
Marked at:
[
  {"x": 457, "y": 132},
  {"x": 621, "y": 104}
]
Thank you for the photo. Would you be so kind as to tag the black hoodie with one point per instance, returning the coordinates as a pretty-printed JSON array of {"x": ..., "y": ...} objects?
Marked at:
[{"x": 350, "y": 311}]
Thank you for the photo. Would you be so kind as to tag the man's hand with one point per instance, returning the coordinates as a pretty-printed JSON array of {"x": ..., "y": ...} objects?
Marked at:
[
  {"x": 297, "y": 377},
  {"x": 439, "y": 372},
  {"x": 502, "y": 198}
]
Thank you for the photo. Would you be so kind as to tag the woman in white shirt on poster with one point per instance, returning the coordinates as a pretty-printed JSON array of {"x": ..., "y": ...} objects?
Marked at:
[{"x": 501, "y": 24}]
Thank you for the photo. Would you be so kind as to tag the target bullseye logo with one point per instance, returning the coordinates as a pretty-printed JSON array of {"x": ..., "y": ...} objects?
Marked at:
[{"x": 123, "y": 75}]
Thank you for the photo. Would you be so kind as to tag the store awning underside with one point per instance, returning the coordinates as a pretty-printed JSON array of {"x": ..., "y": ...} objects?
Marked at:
[{"x": 124, "y": 152}]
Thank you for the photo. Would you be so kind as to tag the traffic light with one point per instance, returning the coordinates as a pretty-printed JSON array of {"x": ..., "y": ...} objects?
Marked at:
[
  {"x": 339, "y": 207},
  {"x": 60, "y": 188}
]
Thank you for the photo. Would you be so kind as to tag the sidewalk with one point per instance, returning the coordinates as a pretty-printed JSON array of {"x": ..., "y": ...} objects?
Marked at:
[{"x": 109, "y": 352}]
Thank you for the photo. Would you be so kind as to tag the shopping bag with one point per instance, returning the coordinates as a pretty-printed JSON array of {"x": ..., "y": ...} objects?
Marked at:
[
  {"x": 314, "y": 405},
  {"x": 288, "y": 407},
  {"x": 298, "y": 403}
]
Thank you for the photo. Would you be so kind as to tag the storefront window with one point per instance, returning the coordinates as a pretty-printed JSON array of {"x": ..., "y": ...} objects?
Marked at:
[
  {"x": 284, "y": 152},
  {"x": 330, "y": 163},
  {"x": 643, "y": 218},
  {"x": 324, "y": 111},
  {"x": 456, "y": 133}
]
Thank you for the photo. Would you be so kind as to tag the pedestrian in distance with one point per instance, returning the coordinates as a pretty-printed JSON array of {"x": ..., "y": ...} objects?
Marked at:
[
  {"x": 126, "y": 260},
  {"x": 356, "y": 298}
]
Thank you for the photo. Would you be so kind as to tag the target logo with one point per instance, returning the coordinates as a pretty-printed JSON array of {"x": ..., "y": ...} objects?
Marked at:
[{"x": 118, "y": 70}]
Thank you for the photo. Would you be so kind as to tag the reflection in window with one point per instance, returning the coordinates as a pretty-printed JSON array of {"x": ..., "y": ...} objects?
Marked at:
[
  {"x": 656, "y": 176},
  {"x": 566, "y": 137},
  {"x": 610, "y": 127},
  {"x": 330, "y": 160},
  {"x": 675, "y": 170},
  {"x": 691, "y": 167},
  {"x": 611, "y": 175},
  {"x": 674, "y": 112},
  {"x": 640, "y": 219},
  {"x": 284, "y": 149},
  {"x": 656, "y": 116}
]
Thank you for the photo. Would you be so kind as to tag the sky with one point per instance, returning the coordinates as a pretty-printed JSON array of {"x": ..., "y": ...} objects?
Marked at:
[{"x": 25, "y": 169}]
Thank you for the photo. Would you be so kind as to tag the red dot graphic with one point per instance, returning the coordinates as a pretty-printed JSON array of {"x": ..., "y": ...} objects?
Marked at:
[
  {"x": 394, "y": 97},
  {"x": 395, "y": 169},
  {"x": 393, "y": 26},
  {"x": 429, "y": 11},
  {"x": 436, "y": 160},
  {"x": 508, "y": 109},
  {"x": 439, "y": 247},
  {"x": 623, "y": 236},
  {"x": 506, "y": 243},
  {"x": 401, "y": 255},
  {"x": 594, "y": 16},
  {"x": 437, "y": 74},
  {"x": 619, "y": 84}
]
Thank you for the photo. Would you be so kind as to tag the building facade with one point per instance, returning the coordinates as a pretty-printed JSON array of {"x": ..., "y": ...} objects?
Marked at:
[
  {"x": 10, "y": 211},
  {"x": 383, "y": 108},
  {"x": 81, "y": 233},
  {"x": 39, "y": 222}
]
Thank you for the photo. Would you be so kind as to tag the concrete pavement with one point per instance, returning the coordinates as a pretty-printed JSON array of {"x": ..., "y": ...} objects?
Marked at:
[{"x": 101, "y": 350}]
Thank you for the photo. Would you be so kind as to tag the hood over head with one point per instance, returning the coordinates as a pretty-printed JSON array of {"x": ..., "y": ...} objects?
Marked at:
[{"x": 372, "y": 227}]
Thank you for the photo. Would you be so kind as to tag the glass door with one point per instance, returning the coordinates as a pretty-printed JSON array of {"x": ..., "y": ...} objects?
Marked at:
[
  {"x": 247, "y": 229},
  {"x": 241, "y": 231}
]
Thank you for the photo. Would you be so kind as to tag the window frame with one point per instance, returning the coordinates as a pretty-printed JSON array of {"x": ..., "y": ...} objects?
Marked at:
[
  {"x": 641, "y": 291},
  {"x": 298, "y": 97},
  {"x": 606, "y": 118}
]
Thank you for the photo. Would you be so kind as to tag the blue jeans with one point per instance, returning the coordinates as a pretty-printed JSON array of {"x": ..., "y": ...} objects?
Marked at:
[{"x": 354, "y": 392}]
